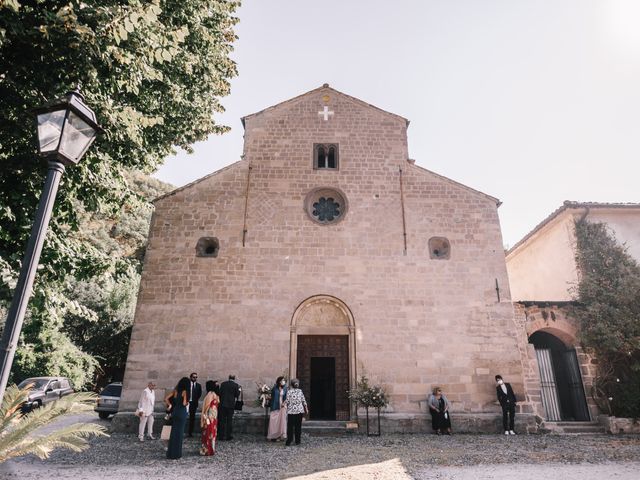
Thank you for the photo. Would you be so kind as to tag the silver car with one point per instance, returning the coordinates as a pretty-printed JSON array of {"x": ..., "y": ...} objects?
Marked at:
[
  {"x": 109, "y": 400},
  {"x": 44, "y": 390}
]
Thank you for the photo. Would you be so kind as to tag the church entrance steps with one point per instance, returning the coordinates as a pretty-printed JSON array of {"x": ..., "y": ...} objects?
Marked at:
[
  {"x": 328, "y": 428},
  {"x": 573, "y": 428}
]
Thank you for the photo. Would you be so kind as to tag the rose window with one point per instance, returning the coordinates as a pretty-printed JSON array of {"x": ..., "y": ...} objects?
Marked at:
[
  {"x": 326, "y": 209},
  {"x": 325, "y": 205}
]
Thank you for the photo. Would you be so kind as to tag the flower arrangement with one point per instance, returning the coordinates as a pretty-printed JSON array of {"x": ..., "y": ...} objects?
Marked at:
[
  {"x": 367, "y": 395},
  {"x": 264, "y": 395}
]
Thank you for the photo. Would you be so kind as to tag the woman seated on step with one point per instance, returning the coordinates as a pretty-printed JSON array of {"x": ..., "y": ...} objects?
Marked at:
[{"x": 439, "y": 409}]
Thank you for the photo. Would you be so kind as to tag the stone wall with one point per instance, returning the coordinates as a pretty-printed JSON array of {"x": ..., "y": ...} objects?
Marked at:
[
  {"x": 618, "y": 425},
  {"x": 418, "y": 321},
  {"x": 254, "y": 423}
]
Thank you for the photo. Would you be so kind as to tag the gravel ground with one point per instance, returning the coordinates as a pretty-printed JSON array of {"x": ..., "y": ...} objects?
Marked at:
[{"x": 123, "y": 457}]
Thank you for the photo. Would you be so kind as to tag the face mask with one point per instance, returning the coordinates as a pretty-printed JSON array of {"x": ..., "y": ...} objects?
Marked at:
[{"x": 500, "y": 382}]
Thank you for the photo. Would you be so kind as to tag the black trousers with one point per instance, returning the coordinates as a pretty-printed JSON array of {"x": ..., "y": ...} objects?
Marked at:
[
  {"x": 508, "y": 415},
  {"x": 193, "y": 406},
  {"x": 225, "y": 423},
  {"x": 294, "y": 427}
]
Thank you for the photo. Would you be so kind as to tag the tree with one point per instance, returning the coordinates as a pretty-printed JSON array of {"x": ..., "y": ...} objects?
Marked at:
[
  {"x": 17, "y": 430},
  {"x": 94, "y": 332},
  {"x": 609, "y": 314},
  {"x": 153, "y": 71}
]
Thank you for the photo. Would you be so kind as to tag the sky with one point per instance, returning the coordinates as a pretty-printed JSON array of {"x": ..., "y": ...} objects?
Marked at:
[{"x": 531, "y": 101}]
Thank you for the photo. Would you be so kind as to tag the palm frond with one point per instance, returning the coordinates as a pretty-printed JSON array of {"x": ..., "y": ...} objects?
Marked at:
[
  {"x": 19, "y": 433},
  {"x": 11, "y": 403},
  {"x": 74, "y": 437},
  {"x": 29, "y": 423}
]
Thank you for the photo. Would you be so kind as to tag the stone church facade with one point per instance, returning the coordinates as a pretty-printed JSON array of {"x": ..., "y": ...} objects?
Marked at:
[{"x": 326, "y": 254}]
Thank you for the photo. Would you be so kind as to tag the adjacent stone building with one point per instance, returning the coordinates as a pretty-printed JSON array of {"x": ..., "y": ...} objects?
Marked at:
[
  {"x": 326, "y": 254},
  {"x": 542, "y": 272}
]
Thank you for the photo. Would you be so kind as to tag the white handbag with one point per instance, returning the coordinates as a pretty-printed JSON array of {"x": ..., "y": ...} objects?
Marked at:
[{"x": 166, "y": 432}]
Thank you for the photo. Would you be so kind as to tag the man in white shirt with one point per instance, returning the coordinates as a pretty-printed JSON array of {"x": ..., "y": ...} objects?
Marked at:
[{"x": 145, "y": 411}]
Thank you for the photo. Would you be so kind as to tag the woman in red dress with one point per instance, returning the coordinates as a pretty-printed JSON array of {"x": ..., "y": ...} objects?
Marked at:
[{"x": 209, "y": 420}]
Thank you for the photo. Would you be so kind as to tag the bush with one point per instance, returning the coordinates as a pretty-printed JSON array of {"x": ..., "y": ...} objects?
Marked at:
[
  {"x": 608, "y": 312},
  {"x": 369, "y": 396}
]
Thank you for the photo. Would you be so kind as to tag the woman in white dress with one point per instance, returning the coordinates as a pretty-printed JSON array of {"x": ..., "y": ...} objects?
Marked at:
[{"x": 278, "y": 415}]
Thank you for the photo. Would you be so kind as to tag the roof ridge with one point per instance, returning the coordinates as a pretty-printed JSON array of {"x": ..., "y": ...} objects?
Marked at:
[
  {"x": 323, "y": 87},
  {"x": 567, "y": 204},
  {"x": 491, "y": 197},
  {"x": 198, "y": 180}
]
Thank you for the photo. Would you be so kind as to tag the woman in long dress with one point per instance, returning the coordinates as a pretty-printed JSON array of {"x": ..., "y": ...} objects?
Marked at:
[
  {"x": 439, "y": 409},
  {"x": 278, "y": 415},
  {"x": 177, "y": 402},
  {"x": 209, "y": 420}
]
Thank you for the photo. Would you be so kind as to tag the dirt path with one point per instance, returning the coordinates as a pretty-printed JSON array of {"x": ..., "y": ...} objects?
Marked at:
[{"x": 399, "y": 457}]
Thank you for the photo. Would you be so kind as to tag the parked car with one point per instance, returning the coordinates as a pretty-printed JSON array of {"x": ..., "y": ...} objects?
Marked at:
[
  {"x": 109, "y": 400},
  {"x": 45, "y": 390}
]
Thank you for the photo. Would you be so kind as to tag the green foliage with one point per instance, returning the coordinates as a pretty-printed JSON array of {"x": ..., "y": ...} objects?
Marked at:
[
  {"x": 609, "y": 314},
  {"x": 367, "y": 395},
  {"x": 17, "y": 431},
  {"x": 153, "y": 71},
  {"x": 75, "y": 337}
]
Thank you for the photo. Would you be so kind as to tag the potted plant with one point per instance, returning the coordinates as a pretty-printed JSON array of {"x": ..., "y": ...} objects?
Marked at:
[{"x": 373, "y": 396}]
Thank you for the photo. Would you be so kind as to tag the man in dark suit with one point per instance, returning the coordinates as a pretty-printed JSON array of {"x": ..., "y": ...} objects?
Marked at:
[
  {"x": 507, "y": 400},
  {"x": 230, "y": 391},
  {"x": 195, "y": 392}
]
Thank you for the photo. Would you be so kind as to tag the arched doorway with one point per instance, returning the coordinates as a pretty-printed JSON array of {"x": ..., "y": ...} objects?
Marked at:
[
  {"x": 561, "y": 386},
  {"x": 322, "y": 355}
]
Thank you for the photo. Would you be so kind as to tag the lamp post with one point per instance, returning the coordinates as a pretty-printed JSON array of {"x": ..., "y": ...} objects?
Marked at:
[{"x": 66, "y": 129}]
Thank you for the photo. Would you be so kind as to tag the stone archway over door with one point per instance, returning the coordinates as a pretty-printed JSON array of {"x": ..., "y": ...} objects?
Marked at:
[
  {"x": 561, "y": 386},
  {"x": 323, "y": 355}
]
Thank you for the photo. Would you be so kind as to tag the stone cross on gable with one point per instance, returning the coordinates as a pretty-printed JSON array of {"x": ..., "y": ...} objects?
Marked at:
[{"x": 326, "y": 113}]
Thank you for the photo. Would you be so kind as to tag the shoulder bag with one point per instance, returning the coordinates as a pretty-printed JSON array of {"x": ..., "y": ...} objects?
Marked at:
[{"x": 239, "y": 402}]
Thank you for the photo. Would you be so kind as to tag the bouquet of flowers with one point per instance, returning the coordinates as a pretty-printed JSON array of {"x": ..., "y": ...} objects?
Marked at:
[
  {"x": 264, "y": 395},
  {"x": 367, "y": 395}
]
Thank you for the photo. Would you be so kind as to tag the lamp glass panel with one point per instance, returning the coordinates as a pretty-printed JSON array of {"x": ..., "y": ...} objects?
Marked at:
[
  {"x": 49, "y": 129},
  {"x": 76, "y": 138}
]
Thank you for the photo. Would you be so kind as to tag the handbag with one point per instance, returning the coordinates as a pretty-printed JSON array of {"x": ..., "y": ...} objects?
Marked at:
[
  {"x": 166, "y": 432},
  {"x": 168, "y": 420},
  {"x": 239, "y": 403}
]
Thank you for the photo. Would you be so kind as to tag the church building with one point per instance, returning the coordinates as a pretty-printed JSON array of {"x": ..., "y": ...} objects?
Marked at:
[{"x": 326, "y": 254}]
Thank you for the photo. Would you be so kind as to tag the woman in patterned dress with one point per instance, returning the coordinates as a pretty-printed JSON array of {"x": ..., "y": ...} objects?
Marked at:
[
  {"x": 296, "y": 408},
  {"x": 209, "y": 420}
]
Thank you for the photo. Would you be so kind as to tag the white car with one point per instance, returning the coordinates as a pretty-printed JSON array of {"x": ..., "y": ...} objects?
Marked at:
[{"x": 109, "y": 400}]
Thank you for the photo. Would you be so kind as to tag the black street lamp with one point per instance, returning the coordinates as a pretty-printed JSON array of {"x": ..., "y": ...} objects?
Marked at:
[{"x": 66, "y": 129}]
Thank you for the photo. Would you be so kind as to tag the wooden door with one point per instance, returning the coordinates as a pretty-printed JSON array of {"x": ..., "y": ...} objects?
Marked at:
[{"x": 333, "y": 405}]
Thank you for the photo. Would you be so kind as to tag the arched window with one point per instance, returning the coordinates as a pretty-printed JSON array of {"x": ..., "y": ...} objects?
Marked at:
[
  {"x": 332, "y": 157},
  {"x": 325, "y": 156}
]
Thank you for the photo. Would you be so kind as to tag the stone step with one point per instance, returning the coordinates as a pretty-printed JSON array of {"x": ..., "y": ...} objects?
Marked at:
[
  {"x": 329, "y": 428},
  {"x": 574, "y": 428},
  {"x": 569, "y": 424}
]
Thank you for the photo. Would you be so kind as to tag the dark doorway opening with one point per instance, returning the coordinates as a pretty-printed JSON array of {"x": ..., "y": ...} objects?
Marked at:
[
  {"x": 323, "y": 388},
  {"x": 323, "y": 370},
  {"x": 561, "y": 378}
]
